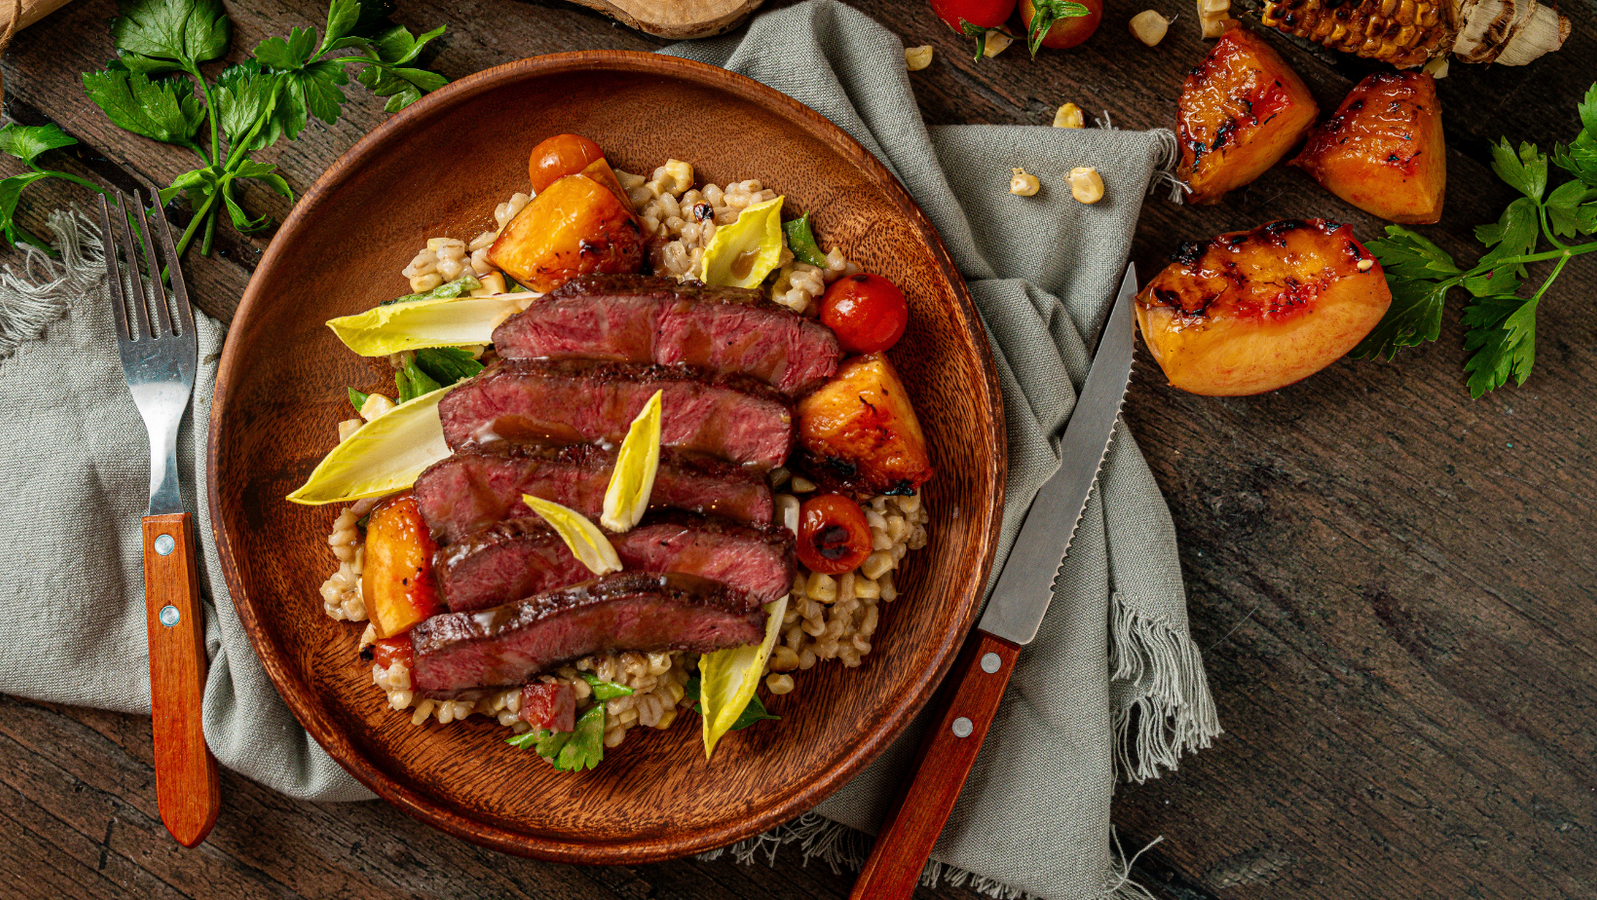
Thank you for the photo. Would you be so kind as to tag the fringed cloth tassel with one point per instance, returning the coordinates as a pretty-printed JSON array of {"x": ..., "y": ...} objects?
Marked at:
[
  {"x": 1157, "y": 676},
  {"x": 42, "y": 292}
]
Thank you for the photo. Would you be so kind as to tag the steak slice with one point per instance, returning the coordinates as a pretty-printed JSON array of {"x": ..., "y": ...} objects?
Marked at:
[
  {"x": 580, "y": 401},
  {"x": 506, "y": 645},
  {"x": 521, "y": 557},
  {"x": 638, "y": 318},
  {"x": 472, "y": 490}
]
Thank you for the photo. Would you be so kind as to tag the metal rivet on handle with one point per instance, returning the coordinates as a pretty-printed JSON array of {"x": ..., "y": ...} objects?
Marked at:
[
  {"x": 164, "y": 544},
  {"x": 962, "y": 727},
  {"x": 169, "y": 616},
  {"x": 990, "y": 663}
]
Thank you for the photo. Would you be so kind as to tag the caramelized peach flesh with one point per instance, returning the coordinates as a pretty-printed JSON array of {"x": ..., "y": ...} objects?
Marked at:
[
  {"x": 1240, "y": 111},
  {"x": 576, "y": 226},
  {"x": 397, "y": 583},
  {"x": 1253, "y": 311},
  {"x": 858, "y": 431},
  {"x": 1383, "y": 150}
]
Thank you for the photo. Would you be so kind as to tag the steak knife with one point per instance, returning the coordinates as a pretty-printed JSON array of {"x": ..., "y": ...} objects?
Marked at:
[{"x": 975, "y": 685}]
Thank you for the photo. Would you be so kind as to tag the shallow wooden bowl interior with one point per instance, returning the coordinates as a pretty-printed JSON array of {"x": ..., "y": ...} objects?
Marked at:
[{"x": 439, "y": 168}]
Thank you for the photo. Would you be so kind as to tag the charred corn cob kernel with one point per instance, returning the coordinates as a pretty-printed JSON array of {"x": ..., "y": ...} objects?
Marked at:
[
  {"x": 1411, "y": 32},
  {"x": 1086, "y": 185},
  {"x": 1149, "y": 27},
  {"x": 917, "y": 58},
  {"x": 1212, "y": 16}
]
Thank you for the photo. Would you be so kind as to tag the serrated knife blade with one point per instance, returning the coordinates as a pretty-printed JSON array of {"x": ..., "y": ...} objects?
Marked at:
[
  {"x": 1026, "y": 584},
  {"x": 975, "y": 685}
]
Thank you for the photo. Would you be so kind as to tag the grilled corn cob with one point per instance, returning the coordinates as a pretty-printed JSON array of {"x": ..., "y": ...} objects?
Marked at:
[{"x": 1409, "y": 33}]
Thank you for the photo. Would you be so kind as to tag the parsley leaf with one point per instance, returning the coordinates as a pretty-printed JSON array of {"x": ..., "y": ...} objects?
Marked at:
[
  {"x": 1511, "y": 236},
  {"x": 357, "y": 399},
  {"x": 569, "y": 751},
  {"x": 751, "y": 714},
  {"x": 605, "y": 690},
  {"x": 1414, "y": 318},
  {"x": 1525, "y": 172},
  {"x": 186, "y": 32},
  {"x": 1501, "y": 338},
  {"x": 10, "y": 193},
  {"x": 1570, "y": 210},
  {"x": 165, "y": 110},
  {"x": 26, "y": 142}
]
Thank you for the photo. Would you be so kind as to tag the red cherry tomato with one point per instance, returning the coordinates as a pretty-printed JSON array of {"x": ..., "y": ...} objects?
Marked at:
[
  {"x": 1061, "y": 31},
  {"x": 981, "y": 13},
  {"x": 559, "y": 156},
  {"x": 867, "y": 312},
  {"x": 833, "y": 534}
]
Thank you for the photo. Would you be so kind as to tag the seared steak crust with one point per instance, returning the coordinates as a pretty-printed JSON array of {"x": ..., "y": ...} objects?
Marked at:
[
  {"x": 506, "y": 645},
  {"x": 636, "y": 318},
  {"x": 472, "y": 490},
  {"x": 572, "y": 401},
  {"x": 521, "y": 557}
]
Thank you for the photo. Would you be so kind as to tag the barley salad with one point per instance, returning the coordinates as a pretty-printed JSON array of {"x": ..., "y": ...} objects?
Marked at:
[{"x": 847, "y": 497}]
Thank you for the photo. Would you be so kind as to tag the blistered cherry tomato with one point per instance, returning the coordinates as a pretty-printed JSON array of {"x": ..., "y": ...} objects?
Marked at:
[
  {"x": 1063, "y": 31},
  {"x": 867, "y": 312},
  {"x": 833, "y": 534},
  {"x": 387, "y": 651},
  {"x": 559, "y": 156},
  {"x": 981, "y": 13}
]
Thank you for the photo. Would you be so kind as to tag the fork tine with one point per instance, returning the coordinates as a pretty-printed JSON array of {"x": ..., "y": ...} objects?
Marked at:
[
  {"x": 136, "y": 288},
  {"x": 155, "y": 291},
  {"x": 179, "y": 291},
  {"x": 113, "y": 273}
]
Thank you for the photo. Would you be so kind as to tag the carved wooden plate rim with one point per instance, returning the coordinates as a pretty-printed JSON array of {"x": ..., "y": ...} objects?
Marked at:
[{"x": 290, "y": 678}]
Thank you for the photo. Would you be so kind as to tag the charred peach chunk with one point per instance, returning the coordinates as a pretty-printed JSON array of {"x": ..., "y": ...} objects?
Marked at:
[
  {"x": 858, "y": 432},
  {"x": 1383, "y": 150},
  {"x": 397, "y": 579},
  {"x": 576, "y": 226},
  {"x": 1252, "y": 311},
  {"x": 1240, "y": 111}
]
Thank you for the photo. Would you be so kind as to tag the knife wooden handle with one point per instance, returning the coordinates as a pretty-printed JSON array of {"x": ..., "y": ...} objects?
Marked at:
[
  {"x": 964, "y": 712},
  {"x": 187, "y": 788}
]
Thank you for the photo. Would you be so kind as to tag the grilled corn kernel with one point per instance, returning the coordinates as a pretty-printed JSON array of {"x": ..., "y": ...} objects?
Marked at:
[
  {"x": 1070, "y": 116},
  {"x": 995, "y": 42},
  {"x": 1149, "y": 27},
  {"x": 347, "y": 428},
  {"x": 492, "y": 283},
  {"x": 1086, "y": 185},
  {"x": 779, "y": 684},
  {"x": 1022, "y": 184},
  {"x": 917, "y": 58},
  {"x": 375, "y": 405}
]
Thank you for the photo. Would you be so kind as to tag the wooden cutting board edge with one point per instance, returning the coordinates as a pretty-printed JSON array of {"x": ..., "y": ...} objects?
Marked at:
[{"x": 677, "y": 19}]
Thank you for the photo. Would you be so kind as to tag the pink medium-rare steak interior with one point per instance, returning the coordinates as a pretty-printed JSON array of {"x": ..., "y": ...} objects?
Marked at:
[
  {"x": 734, "y": 418},
  {"x": 635, "y": 318}
]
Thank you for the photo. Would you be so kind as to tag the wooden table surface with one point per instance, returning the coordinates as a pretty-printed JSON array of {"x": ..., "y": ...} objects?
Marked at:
[{"x": 1393, "y": 585}]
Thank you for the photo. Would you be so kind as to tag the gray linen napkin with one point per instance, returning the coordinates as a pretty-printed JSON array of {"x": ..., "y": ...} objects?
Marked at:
[{"x": 1112, "y": 668}]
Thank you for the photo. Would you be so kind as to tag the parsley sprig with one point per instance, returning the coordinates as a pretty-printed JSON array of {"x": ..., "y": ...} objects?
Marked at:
[
  {"x": 155, "y": 88},
  {"x": 1500, "y": 324}
]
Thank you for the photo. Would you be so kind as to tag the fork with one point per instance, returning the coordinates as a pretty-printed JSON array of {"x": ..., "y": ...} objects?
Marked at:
[{"x": 159, "y": 355}]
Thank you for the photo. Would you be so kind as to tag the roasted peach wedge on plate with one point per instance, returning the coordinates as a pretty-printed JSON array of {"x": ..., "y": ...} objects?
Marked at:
[
  {"x": 1383, "y": 150},
  {"x": 1239, "y": 113},
  {"x": 1252, "y": 311}
]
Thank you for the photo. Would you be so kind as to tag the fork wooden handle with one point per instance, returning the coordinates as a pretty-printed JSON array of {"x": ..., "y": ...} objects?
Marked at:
[
  {"x": 965, "y": 710},
  {"x": 187, "y": 788}
]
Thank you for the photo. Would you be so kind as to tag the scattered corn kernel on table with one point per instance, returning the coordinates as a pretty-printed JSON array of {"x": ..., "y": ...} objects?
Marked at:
[{"x": 1393, "y": 584}]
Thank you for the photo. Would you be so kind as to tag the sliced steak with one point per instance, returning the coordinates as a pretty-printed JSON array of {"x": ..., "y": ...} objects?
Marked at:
[
  {"x": 472, "y": 490},
  {"x": 521, "y": 557},
  {"x": 636, "y": 318},
  {"x": 574, "y": 401},
  {"x": 506, "y": 645}
]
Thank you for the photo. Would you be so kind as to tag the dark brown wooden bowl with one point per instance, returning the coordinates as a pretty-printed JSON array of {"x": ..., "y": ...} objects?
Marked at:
[{"x": 439, "y": 168}]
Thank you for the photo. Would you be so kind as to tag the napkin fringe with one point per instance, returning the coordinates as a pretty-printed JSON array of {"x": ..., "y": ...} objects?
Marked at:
[
  {"x": 1167, "y": 157},
  {"x": 1169, "y": 710},
  {"x": 843, "y": 849},
  {"x": 42, "y": 292}
]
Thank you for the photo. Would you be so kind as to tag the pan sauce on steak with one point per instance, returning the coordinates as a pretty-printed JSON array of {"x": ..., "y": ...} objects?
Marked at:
[
  {"x": 505, "y": 645},
  {"x": 572, "y": 401},
  {"x": 635, "y": 318}
]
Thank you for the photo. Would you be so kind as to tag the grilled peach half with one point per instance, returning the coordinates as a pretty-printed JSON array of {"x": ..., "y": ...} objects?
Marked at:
[
  {"x": 1252, "y": 311},
  {"x": 1383, "y": 150},
  {"x": 397, "y": 581},
  {"x": 575, "y": 226},
  {"x": 858, "y": 431},
  {"x": 1239, "y": 113}
]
